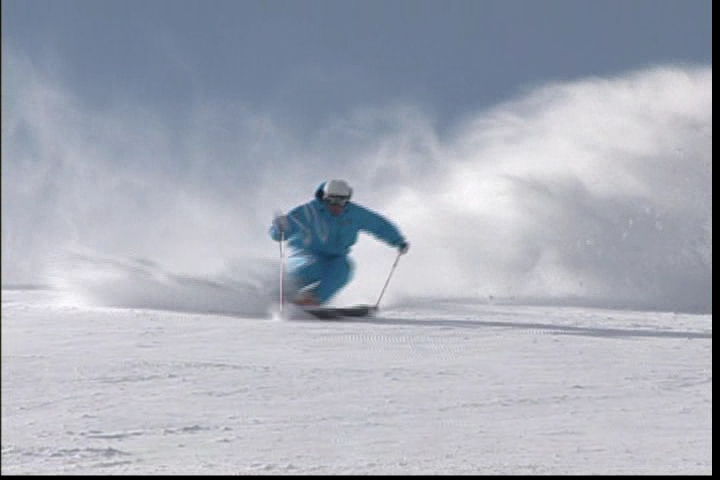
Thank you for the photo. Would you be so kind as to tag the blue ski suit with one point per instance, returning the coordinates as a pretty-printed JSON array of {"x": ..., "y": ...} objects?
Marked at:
[{"x": 320, "y": 243}]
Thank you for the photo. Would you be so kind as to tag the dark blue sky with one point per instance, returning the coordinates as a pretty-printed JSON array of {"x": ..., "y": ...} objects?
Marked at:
[{"x": 308, "y": 59}]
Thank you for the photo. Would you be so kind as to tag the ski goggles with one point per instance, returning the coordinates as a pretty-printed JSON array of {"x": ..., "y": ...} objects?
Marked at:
[{"x": 336, "y": 201}]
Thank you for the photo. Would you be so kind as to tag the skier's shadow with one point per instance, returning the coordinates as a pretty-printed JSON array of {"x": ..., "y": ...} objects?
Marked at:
[{"x": 546, "y": 328}]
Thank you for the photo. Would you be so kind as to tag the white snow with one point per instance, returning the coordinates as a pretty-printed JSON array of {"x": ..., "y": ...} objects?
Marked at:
[
  {"x": 553, "y": 315},
  {"x": 430, "y": 388}
]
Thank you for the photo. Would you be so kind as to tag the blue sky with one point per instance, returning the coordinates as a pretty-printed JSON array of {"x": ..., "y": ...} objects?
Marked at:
[
  {"x": 538, "y": 149},
  {"x": 312, "y": 59}
]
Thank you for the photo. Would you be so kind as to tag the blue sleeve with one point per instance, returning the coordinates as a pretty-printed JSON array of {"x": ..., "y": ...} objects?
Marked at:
[{"x": 379, "y": 227}]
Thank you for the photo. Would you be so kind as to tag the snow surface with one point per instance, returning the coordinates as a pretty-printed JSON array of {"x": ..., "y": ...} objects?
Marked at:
[
  {"x": 553, "y": 315},
  {"x": 423, "y": 388}
]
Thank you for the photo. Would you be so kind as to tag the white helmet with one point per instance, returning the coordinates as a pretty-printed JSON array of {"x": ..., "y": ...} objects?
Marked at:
[{"x": 337, "y": 189}]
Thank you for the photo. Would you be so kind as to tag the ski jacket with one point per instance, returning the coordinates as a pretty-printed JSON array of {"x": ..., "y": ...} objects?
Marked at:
[{"x": 312, "y": 228}]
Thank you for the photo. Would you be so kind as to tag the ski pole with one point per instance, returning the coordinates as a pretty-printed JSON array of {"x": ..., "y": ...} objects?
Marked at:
[
  {"x": 282, "y": 272},
  {"x": 397, "y": 259}
]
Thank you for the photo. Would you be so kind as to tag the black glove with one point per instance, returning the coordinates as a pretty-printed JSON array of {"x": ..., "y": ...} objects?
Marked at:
[
  {"x": 404, "y": 247},
  {"x": 280, "y": 222}
]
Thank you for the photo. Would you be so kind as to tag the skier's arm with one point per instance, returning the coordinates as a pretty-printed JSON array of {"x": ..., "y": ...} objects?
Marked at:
[{"x": 380, "y": 227}]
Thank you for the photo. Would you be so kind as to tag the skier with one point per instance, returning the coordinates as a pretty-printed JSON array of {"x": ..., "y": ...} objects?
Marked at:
[{"x": 320, "y": 234}]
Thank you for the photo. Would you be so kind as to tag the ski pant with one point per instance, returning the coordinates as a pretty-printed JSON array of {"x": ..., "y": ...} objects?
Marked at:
[{"x": 330, "y": 273}]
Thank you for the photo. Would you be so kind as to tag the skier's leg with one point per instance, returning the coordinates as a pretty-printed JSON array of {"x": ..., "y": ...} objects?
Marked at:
[
  {"x": 338, "y": 272},
  {"x": 303, "y": 270}
]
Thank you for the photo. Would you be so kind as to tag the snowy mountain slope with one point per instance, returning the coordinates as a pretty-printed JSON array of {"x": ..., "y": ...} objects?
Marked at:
[{"x": 435, "y": 388}]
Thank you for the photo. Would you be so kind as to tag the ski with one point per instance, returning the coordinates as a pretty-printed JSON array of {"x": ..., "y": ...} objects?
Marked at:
[{"x": 341, "y": 312}]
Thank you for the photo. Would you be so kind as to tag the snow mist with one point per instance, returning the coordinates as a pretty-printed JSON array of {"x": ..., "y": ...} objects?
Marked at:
[{"x": 593, "y": 192}]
